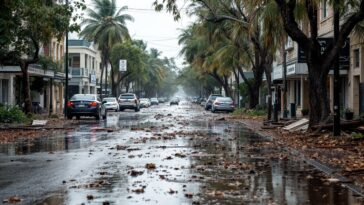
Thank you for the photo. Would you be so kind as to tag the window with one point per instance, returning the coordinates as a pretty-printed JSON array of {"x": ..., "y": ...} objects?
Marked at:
[
  {"x": 356, "y": 58},
  {"x": 324, "y": 9},
  {"x": 74, "y": 60},
  {"x": 297, "y": 88},
  {"x": 86, "y": 60},
  {"x": 93, "y": 63},
  {"x": 4, "y": 91},
  {"x": 289, "y": 43}
]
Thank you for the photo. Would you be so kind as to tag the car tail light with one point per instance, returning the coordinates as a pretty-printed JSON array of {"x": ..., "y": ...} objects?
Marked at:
[
  {"x": 217, "y": 103},
  {"x": 136, "y": 101},
  {"x": 93, "y": 104},
  {"x": 70, "y": 104}
]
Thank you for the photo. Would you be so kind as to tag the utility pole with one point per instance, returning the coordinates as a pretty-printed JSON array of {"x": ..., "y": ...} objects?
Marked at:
[
  {"x": 66, "y": 70},
  {"x": 336, "y": 74}
]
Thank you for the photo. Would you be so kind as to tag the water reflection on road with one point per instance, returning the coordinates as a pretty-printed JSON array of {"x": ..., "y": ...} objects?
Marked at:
[{"x": 197, "y": 161}]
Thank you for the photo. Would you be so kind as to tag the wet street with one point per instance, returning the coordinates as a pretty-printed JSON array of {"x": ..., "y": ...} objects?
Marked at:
[{"x": 161, "y": 155}]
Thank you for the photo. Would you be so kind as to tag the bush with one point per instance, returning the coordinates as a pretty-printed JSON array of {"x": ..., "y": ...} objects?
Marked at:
[
  {"x": 250, "y": 112},
  {"x": 12, "y": 115}
]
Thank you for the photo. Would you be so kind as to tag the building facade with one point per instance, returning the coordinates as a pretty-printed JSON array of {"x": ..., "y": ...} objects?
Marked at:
[
  {"x": 351, "y": 69},
  {"x": 84, "y": 65}
]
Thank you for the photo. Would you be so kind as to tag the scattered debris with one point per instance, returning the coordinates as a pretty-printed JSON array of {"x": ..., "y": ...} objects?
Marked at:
[
  {"x": 135, "y": 173},
  {"x": 150, "y": 166},
  {"x": 12, "y": 200},
  {"x": 39, "y": 122}
]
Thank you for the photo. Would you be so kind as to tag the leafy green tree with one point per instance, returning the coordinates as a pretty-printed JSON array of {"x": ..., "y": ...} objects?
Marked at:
[
  {"x": 106, "y": 26},
  {"x": 135, "y": 66},
  {"x": 292, "y": 13},
  {"x": 25, "y": 25}
]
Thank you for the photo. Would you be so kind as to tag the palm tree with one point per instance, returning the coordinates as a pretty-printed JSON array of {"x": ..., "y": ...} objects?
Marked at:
[{"x": 106, "y": 26}]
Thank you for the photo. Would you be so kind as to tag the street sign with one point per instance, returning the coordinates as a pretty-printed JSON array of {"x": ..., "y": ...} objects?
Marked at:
[{"x": 122, "y": 65}]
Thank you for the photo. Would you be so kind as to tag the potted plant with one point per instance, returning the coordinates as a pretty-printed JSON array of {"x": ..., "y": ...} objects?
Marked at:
[
  {"x": 349, "y": 114},
  {"x": 304, "y": 112}
]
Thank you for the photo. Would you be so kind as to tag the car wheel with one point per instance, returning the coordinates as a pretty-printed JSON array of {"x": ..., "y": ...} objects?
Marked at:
[
  {"x": 78, "y": 117},
  {"x": 69, "y": 117},
  {"x": 121, "y": 110}
]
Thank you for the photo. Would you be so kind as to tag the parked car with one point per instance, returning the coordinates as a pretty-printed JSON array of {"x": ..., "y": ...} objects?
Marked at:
[
  {"x": 129, "y": 101},
  {"x": 86, "y": 105},
  {"x": 223, "y": 104},
  {"x": 144, "y": 102},
  {"x": 161, "y": 100},
  {"x": 203, "y": 102},
  {"x": 174, "y": 101},
  {"x": 111, "y": 103},
  {"x": 210, "y": 100},
  {"x": 154, "y": 101}
]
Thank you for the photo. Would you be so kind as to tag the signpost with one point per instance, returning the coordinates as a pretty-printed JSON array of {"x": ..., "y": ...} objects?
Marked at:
[{"x": 122, "y": 65}]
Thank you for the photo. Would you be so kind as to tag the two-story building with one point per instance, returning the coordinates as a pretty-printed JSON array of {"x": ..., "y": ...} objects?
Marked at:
[
  {"x": 351, "y": 68},
  {"x": 84, "y": 65}
]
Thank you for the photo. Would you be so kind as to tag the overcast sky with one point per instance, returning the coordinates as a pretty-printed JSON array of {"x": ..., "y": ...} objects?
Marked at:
[{"x": 158, "y": 29}]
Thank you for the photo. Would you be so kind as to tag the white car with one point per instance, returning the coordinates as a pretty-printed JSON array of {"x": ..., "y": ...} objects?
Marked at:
[
  {"x": 129, "y": 101},
  {"x": 111, "y": 103},
  {"x": 144, "y": 102}
]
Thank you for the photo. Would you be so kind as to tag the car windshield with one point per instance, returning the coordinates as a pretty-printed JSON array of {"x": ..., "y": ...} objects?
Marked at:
[
  {"x": 127, "y": 96},
  {"x": 84, "y": 97},
  {"x": 224, "y": 99},
  {"x": 213, "y": 97},
  {"x": 110, "y": 99}
]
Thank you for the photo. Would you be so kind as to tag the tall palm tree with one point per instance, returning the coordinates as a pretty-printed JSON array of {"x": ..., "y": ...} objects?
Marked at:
[{"x": 105, "y": 26}]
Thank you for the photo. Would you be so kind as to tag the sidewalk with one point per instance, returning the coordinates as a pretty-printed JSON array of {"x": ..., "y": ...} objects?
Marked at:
[
  {"x": 12, "y": 132},
  {"x": 343, "y": 156}
]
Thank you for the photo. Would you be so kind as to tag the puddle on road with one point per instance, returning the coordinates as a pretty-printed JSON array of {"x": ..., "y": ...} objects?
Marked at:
[
  {"x": 82, "y": 138},
  {"x": 215, "y": 163}
]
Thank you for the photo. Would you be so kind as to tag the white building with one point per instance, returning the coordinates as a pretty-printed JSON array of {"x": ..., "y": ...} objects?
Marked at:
[{"x": 84, "y": 65}]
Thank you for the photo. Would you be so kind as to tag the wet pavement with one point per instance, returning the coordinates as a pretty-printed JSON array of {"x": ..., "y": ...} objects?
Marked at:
[{"x": 161, "y": 155}]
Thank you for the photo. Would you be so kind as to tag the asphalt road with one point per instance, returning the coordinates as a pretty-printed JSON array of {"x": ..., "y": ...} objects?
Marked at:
[{"x": 161, "y": 155}]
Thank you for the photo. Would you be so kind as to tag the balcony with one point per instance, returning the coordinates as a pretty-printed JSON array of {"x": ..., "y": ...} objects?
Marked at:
[{"x": 79, "y": 72}]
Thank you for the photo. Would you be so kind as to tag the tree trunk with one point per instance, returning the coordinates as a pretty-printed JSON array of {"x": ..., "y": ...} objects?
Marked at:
[
  {"x": 319, "y": 104},
  {"x": 102, "y": 74},
  {"x": 106, "y": 85},
  {"x": 269, "y": 105},
  {"x": 26, "y": 88},
  {"x": 253, "y": 98},
  {"x": 113, "y": 93},
  {"x": 127, "y": 86}
]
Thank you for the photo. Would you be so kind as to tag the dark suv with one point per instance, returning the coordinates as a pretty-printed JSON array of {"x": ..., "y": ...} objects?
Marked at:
[
  {"x": 129, "y": 101},
  {"x": 211, "y": 99}
]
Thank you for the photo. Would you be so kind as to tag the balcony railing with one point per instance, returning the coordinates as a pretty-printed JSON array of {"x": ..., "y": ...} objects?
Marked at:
[{"x": 79, "y": 72}]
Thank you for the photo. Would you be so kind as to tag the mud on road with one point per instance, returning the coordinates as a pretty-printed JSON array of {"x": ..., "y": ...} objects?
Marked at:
[{"x": 161, "y": 155}]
